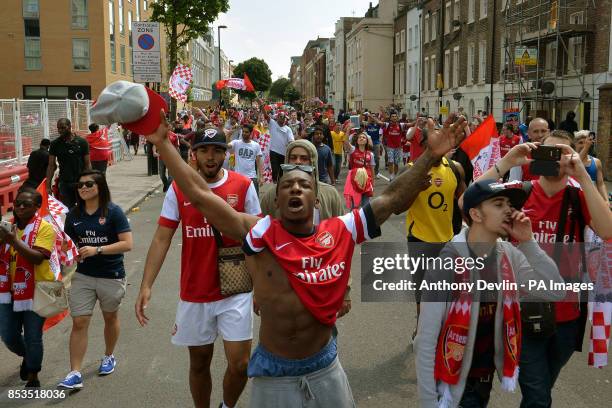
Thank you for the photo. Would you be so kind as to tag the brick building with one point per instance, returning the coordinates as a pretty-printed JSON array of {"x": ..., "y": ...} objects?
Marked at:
[{"x": 343, "y": 26}]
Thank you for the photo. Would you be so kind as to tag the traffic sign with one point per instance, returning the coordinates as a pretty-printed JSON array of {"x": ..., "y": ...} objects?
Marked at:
[
  {"x": 146, "y": 55},
  {"x": 526, "y": 56},
  {"x": 443, "y": 110}
]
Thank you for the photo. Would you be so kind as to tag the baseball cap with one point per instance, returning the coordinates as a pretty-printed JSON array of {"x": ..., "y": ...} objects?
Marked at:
[
  {"x": 134, "y": 106},
  {"x": 210, "y": 136},
  {"x": 483, "y": 190}
]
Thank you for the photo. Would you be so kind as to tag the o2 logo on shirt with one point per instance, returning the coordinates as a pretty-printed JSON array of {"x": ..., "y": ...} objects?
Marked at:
[
  {"x": 102, "y": 220},
  {"x": 325, "y": 239},
  {"x": 232, "y": 200}
]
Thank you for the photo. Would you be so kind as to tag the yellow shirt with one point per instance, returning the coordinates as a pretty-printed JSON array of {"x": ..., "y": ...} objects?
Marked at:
[
  {"x": 338, "y": 139},
  {"x": 45, "y": 239},
  {"x": 430, "y": 218}
]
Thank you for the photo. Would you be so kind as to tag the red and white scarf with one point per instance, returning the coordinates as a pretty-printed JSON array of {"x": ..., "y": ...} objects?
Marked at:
[
  {"x": 23, "y": 283},
  {"x": 454, "y": 336}
]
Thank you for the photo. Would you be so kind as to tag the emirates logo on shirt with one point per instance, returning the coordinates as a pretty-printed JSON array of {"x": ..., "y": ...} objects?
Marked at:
[
  {"x": 232, "y": 200},
  {"x": 325, "y": 239}
]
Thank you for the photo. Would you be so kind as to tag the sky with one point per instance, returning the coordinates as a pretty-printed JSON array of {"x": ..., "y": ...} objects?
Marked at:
[{"x": 276, "y": 30}]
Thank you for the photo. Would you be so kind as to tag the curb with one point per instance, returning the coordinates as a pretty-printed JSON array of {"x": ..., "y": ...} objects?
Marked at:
[{"x": 135, "y": 202}]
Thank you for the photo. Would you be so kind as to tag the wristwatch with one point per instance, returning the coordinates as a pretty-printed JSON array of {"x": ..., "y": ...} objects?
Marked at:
[{"x": 99, "y": 250}]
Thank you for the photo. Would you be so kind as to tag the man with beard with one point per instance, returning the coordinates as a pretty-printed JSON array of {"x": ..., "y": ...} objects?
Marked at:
[
  {"x": 202, "y": 310},
  {"x": 300, "y": 270},
  {"x": 72, "y": 153}
]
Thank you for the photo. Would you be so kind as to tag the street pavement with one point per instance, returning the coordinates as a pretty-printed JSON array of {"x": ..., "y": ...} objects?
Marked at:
[{"x": 374, "y": 338}]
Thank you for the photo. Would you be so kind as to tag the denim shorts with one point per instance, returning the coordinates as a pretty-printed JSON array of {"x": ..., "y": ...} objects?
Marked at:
[{"x": 265, "y": 364}]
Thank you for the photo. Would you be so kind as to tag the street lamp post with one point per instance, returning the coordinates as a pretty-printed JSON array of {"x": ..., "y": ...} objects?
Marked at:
[{"x": 219, "y": 41}]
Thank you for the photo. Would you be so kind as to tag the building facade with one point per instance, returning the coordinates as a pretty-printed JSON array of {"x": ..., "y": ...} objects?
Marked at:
[
  {"x": 313, "y": 69},
  {"x": 68, "y": 49},
  {"x": 343, "y": 26},
  {"x": 400, "y": 37},
  {"x": 295, "y": 71},
  {"x": 369, "y": 58},
  {"x": 413, "y": 61},
  {"x": 202, "y": 54}
]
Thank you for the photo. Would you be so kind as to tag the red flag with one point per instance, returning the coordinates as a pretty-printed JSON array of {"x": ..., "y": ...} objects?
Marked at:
[
  {"x": 44, "y": 207},
  {"x": 248, "y": 86},
  {"x": 482, "y": 146},
  {"x": 221, "y": 84}
]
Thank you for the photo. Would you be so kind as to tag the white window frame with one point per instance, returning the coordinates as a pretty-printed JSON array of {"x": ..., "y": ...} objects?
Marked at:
[
  {"x": 434, "y": 26},
  {"x": 426, "y": 29},
  {"x": 122, "y": 60},
  {"x": 447, "y": 17},
  {"x": 484, "y": 8},
  {"x": 471, "y": 58},
  {"x": 416, "y": 35},
  {"x": 33, "y": 61},
  {"x": 434, "y": 72},
  {"x": 482, "y": 62},
  {"x": 447, "y": 67},
  {"x": 29, "y": 13},
  {"x": 403, "y": 41},
  {"x": 121, "y": 21},
  {"x": 457, "y": 13},
  {"x": 397, "y": 43},
  {"x": 410, "y": 39},
  {"x": 81, "y": 58},
  {"x": 455, "y": 59},
  {"x": 471, "y": 11},
  {"x": 78, "y": 18},
  {"x": 426, "y": 74}
]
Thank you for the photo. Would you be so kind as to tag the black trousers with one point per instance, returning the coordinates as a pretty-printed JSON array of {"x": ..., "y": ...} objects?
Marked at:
[{"x": 275, "y": 161}]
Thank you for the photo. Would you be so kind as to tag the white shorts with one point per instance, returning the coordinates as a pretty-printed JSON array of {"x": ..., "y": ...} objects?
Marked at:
[{"x": 197, "y": 324}]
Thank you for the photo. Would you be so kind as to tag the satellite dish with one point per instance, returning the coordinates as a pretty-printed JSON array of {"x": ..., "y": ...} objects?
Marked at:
[{"x": 548, "y": 87}]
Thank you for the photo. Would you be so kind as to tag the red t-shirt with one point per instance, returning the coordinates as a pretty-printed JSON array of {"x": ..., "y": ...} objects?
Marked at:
[
  {"x": 199, "y": 272},
  {"x": 505, "y": 144},
  {"x": 393, "y": 135},
  {"x": 544, "y": 213},
  {"x": 317, "y": 266},
  {"x": 416, "y": 149},
  {"x": 100, "y": 147}
]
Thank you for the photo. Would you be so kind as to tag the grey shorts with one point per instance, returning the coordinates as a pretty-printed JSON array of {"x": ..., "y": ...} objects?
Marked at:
[
  {"x": 85, "y": 291},
  {"x": 325, "y": 388}
]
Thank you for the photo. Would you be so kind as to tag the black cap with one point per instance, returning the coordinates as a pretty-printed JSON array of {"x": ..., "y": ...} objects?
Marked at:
[
  {"x": 483, "y": 190},
  {"x": 210, "y": 136}
]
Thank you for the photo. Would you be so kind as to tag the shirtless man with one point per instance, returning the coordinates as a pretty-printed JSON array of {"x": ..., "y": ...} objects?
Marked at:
[{"x": 289, "y": 255}]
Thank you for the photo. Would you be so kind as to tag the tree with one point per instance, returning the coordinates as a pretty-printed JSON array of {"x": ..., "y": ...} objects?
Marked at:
[
  {"x": 291, "y": 94},
  {"x": 183, "y": 21},
  {"x": 277, "y": 90},
  {"x": 259, "y": 73}
]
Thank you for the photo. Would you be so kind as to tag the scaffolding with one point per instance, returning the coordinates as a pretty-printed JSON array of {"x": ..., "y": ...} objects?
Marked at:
[{"x": 559, "y": 31}]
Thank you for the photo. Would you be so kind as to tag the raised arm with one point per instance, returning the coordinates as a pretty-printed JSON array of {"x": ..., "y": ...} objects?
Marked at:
[
  {"x": 402, "y": 192},
  {"x": 227, "y": 220}
]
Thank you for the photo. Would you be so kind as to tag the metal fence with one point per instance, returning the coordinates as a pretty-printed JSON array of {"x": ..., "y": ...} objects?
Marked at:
[{"x": 24, "y": 123}]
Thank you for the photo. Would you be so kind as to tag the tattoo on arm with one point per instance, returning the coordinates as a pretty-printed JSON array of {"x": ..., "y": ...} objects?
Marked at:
[{"x": 402, "y": 192}]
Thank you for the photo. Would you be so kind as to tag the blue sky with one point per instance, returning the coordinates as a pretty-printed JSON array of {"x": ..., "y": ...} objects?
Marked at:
[{"x": 275, "y": 30}]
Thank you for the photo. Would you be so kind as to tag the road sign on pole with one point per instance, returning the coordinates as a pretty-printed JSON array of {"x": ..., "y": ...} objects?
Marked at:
[{"x": 146, "y": 55}]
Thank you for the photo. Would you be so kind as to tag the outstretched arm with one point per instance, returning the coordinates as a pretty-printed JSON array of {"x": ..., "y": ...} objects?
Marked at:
[
  {"x": 227, "y": 220},
  {"x": 402, "y": 192}
]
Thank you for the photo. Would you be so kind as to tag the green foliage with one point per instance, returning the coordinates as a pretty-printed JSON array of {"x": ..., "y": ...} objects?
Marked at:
[
  {"x": 189, "y": 19},
  {"x": 183, "y": 21},
  {"x": 259, "y": 73},
  {"x": 277, "y": 90},
  {"x": 291, "y": 94}
]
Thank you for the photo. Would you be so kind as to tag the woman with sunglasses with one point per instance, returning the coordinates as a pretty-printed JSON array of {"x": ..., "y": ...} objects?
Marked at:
[
  {"x": 24, "y": 260},
  {"x": 102, "y": 233}
]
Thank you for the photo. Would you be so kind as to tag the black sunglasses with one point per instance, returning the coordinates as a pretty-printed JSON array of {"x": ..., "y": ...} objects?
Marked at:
[
  {"x": 88, "y": 184},
  {"x": 23, "y": 203}
]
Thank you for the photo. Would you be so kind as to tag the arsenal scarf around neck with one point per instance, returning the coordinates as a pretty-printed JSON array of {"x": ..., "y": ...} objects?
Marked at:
[
  {"x": 23, "y": 283},
  {"x": 454, "y": 336}
]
